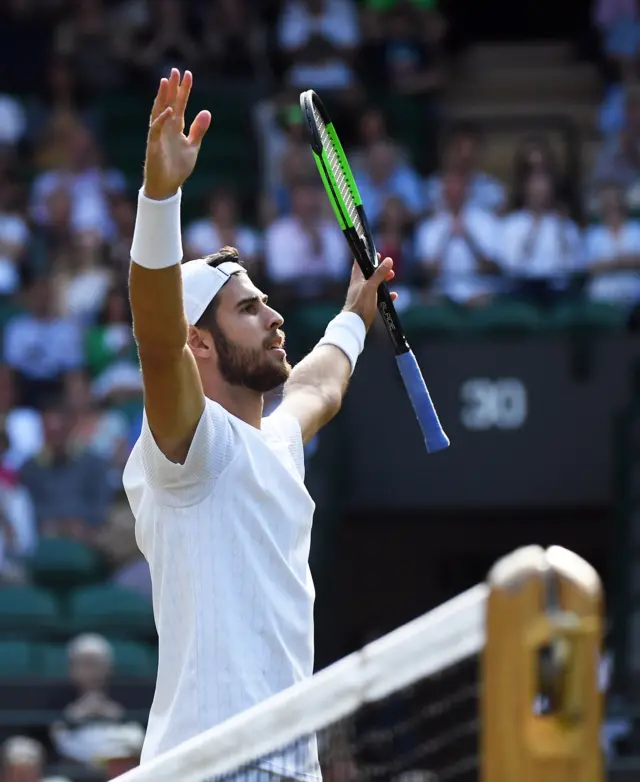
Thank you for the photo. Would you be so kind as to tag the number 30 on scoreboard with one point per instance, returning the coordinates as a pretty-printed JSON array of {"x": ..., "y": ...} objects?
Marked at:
[{"x": 493, "y": 404}]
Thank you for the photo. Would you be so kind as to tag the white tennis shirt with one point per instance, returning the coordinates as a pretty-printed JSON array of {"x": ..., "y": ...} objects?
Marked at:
[{"x": 227, "y": 537}]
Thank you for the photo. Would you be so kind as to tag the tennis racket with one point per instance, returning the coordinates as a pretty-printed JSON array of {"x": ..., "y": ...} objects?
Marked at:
[{"x": 346, "y": 202}]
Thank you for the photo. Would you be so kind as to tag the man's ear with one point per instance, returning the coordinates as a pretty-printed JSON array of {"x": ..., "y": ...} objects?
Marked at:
[{"x": 200, "y": 342}]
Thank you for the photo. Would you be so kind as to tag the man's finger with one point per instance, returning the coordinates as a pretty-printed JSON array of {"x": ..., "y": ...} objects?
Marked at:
[
  {"x": 160, "y": 103},
  {"x": 155, "y": 130},
  {"x": 383, "y": 272},
  {"x": 199, "y": 127},
  {"x": 173, "y": 86},
  {"x": 183, "y": 95}
]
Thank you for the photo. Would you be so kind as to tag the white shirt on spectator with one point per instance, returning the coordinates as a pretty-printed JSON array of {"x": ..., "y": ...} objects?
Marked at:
[
  {"x": 289, "y": 254},
  {"x": 23, "y": 426},
  {"x": 227, "y": 537},
  {"x": 617, "y": 287},
  {"x": 459, "y": 277},
  {"x": 88, "y": 191},
  {"x": 203, "y": 238},
  {"x": 483, "y": 190},
  {"x": 42, "y": 349},
  {"x": 338, "y": 23},
  {"x": 552, "y": 249},
  {"x": 14, "y": 234}
]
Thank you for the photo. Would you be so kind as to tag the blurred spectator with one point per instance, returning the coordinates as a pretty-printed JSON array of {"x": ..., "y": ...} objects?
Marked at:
[
  {"x": 85, "y": 733},
  {"x": 123, "y": 746},
  {"x": 13, "y": 122},
  {"x": 22, "y": 760},
  {"x": 70, "y": 488},
  {"x": 463, "y": 155},
  {"x": 75, "y": 166},
  {"x": 170, "y": 38},
  {"x": 221, "y": 229},
  {"x": 372, "y": 128},
  {"x": 613, "y": 253},
  {"x": 618, "y": 160},
  {"x": 383, "y": 176},
  {"x": 541, "y": 247},
  {"x": 41, "y": 346},
  {"x": 305, "y": 252},
  {"x": 110, "y": 340},
  {"x": 235, "y": 43},
  {"x": 104, "y": 432},
  {"x": 14, "y": 236},
  {"x": 535, "y": 155},
  {"x": 406, "y": 57},
  {"x": 87, "y": 40},
  {"x": 393, "y": 238},
  {"x": 18, "y": 534},
  {"x": 60, "y": 95},
  {"x": 319, "y": 38},
  {"x": 23, "y": 425},
  {"x": 458, "y": 247},
  {"x": 123, "y": 216},
  {"x": 83, "y": 279},
  {"x": 619, "y": 25}
]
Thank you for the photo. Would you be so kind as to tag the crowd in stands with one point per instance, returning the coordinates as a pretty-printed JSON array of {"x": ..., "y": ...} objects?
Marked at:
[{"x": 70, "y": 389}]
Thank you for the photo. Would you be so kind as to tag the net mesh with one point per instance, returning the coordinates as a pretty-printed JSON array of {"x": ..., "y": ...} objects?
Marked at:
[{"x": 402, "y": 709}]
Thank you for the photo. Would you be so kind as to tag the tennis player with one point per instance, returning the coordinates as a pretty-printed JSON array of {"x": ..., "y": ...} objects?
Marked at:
[{"x": 222, "y": 512}]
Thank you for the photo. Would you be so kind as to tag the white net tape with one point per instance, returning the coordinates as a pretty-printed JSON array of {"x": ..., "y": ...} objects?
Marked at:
[{"x": 403, "y": 705}]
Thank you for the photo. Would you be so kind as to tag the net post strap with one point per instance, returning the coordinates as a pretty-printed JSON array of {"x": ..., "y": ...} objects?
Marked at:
[{"x": 441, "y": 638}]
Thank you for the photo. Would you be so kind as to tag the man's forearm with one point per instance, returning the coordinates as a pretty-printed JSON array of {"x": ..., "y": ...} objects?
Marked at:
[{"x": 155, "y": 284}]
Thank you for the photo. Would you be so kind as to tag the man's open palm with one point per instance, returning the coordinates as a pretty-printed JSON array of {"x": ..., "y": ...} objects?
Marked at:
[{"x": 171, "y": 155}]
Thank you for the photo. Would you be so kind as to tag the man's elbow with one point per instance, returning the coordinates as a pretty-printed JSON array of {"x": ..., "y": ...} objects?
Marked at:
[{"x": 332, "y": 402}]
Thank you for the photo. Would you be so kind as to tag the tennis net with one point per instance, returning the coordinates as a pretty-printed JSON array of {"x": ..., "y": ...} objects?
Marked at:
[{"x": 403, "y": 709}]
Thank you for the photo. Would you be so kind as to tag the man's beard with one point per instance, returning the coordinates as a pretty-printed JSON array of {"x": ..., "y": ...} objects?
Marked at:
[{"x": 252, "y": 369}]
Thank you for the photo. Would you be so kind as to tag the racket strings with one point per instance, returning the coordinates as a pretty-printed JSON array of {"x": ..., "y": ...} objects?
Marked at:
[{"x": 340, "y": 176}]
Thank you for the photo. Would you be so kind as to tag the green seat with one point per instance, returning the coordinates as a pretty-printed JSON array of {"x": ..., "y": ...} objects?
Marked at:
[
  {"x": 51, "y": 661},
  {"x": 433, "y": 319},
  {"x": 133, "y": 659},
  {"x": 112, "y": 611},
  {"x": 61, "y": 564},
  {"x": 27, "y": 612},
  {"x": 593, "y": 316},
  {"x": 505, "y": 317},
  {"x": 15, "y": 659}
]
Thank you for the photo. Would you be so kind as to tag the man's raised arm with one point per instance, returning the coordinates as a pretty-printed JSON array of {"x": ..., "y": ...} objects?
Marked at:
[
  {"x": 313, "y": 393},
  {"x": 173, "y": 395}
]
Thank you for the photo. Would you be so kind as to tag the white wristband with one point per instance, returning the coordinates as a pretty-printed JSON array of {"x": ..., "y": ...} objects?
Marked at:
[
  {"x": 157, "y": 236},
  {"x": 347, "y": 332}
]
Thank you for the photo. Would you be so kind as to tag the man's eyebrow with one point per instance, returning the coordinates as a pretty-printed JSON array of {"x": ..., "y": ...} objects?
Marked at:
[{"x": 249, "y": 299}]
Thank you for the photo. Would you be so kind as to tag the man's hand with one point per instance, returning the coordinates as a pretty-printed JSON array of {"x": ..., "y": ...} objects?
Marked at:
[
  {"x": 171, "y": 156},
  {"x": 362, "y": 296}
]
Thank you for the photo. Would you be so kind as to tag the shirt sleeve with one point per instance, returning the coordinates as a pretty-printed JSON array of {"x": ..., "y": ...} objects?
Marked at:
[{"x": 210, "y": 452}]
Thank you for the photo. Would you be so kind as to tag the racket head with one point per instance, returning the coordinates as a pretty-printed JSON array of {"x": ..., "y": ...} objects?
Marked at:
[{"x": 338, "y": 181}]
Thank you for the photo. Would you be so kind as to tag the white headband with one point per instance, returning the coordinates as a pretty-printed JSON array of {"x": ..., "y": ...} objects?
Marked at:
[{"x": 201, "y": 282}]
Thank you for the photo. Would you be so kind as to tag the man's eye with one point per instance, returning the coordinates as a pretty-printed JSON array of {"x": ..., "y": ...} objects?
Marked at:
[{"x": 250, "y": 308}]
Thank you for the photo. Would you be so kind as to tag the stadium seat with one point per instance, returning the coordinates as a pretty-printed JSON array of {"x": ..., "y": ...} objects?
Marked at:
[
  {"x": 62, "y": 564},
  {"x": 133, "y": 659},
  {"x": 593, "y": 316},
  {"x": 28, "y": 612},
  {"x": 112, "y": 611},
  {"x": 15, "y": 659},
  {"x": 436, "y": 319},
  {"x": 50, "y": 660},
  {"x": 505, "y": 317}
]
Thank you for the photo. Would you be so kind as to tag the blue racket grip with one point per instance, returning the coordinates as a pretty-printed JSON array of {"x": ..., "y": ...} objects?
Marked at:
[{"x": 434, "y": 435}]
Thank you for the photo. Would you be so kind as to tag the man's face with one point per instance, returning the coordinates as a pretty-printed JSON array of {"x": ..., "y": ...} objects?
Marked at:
[
  {"x": 454, "y": 190},
  {"x": 247, "y": 339}
]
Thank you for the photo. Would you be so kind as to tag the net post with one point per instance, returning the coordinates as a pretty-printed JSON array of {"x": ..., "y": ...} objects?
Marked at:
[{"x": 541, "y": 704}]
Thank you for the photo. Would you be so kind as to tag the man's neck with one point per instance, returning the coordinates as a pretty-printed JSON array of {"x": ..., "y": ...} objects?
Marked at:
[{"x": 243, "y": 403}]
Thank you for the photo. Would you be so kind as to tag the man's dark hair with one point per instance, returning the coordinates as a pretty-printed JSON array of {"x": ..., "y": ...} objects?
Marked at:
[
  {"x": 465, "y": 129},
  {"x": 208, "y": 318}
]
